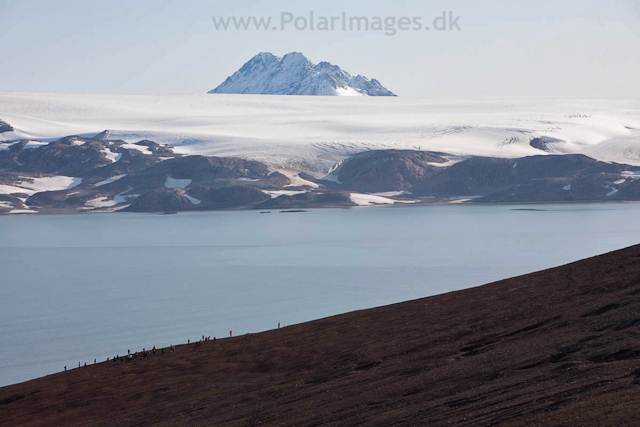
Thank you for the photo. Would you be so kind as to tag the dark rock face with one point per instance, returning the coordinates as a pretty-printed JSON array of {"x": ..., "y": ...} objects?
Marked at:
[
  {"x": 161, "y": 200},
  {"x": 131, "y": 162},
  {"x": 630, "y": 190},
  {"x": 78, "y": 156},
  {"x": 387, "y": 170},
  {"x": 103, "y": 136},
  {"x": 155, "y": 148},
  {"x": 227, "y": 197},
  {"x": 539, "y": 144},
  {"x": 481, "y": 176},
  {"x": 201, "y": 170},
  {"x": 9, "y": 202},
  {"x": 63, "y": 157},
  {"x": 5, "y": 127},
  {"x": 59, "y": 199},
  {"x": 587, "y": 188},
  {"x": 308, "y": 200}
]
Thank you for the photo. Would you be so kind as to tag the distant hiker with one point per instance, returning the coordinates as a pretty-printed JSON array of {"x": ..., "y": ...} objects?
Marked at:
[
  {"x": 85, "y": 364},
  {"x": 278, "y": 325},
  {"x": 78, "y": 364},
  {"x": 128, "y": 352},
  {"x": 188, "y": 341},
  {"x": 203, "y": 338},
  {"x": 230, "y": 334},
  {"x": 95, "y": 361},
  {"x": 65, "y": 369}
]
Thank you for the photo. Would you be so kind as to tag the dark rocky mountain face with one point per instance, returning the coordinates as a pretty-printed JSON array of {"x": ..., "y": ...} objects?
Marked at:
[
  {"x": 77, "y": 156},
  {"x": 228, "y": 197},
  {"x": 63, "y": 199},
  {"x": 198, "y": 198},
  {"x": 387, "y": 170},
  {"x": 539, "y": 144},
  {"x": 482, "y": 176},
  {"x": 213, "y": 172},
  {"x": 5, "y": 127},
  {"x": 629, "y": 191},
  {"x": 62, "y": 157},
  {"x": 593, "y": 187},
  {"x": 162, "y": 200},
  {"x": 308, "y": 200}
]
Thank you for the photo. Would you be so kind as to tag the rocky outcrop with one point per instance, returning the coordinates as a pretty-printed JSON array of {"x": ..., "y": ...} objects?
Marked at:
[
  {"x": 63, "y": 199},
  {"x": 596, "y": 187},
  {"x": 5, "y": 127},
  {"x": 162, "y": 200},
  {"x": 387, "y": 170},
  {"x": 200, "y": 170},
  {"x": 539, "y": 144},
  {"x": 481, "y": 176},
  {"x": 227, "y": 197},
  {"x": 10, "y": 202},
  {"x": 308, "y": 200},
  {"x": 68, "y": 156}
]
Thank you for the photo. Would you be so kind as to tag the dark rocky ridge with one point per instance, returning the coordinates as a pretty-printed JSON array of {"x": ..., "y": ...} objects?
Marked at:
[
  {"x": 308, "y": 200},
  {"x": 539, "y": 144},
  {"x": 387, "y": 170},
  {"x": 535, "y": 178},
  {"x": 207, "y": 198},
  {"x": 559, "y": 347},
  {"x": 162, "y": 200},
  {"x": 5, "y": 127}
]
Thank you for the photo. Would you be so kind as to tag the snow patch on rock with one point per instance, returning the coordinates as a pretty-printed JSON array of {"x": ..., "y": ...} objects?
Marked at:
[{"x": 110, "y": 180}]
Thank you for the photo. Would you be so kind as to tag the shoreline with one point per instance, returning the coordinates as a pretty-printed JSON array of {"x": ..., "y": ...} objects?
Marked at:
[{"x": 310, "y": 209}]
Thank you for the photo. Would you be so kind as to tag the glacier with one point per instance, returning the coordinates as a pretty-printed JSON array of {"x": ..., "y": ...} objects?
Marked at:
[{"x": 313, "y": 133}]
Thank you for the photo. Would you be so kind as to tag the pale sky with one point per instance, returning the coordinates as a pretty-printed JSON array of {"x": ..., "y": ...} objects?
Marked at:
[{"x": 505, "y": 48}]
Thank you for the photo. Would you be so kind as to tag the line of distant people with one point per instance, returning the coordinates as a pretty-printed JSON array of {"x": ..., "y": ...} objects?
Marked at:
[{"x": 148, "y": 353}]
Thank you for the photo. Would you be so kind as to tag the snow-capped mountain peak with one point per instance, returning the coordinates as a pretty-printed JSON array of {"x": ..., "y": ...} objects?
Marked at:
[{"x": 295, "y": 74}]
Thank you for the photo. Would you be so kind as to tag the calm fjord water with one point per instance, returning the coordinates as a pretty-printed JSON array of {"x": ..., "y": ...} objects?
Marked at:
[{"x": 78, "y": 287}]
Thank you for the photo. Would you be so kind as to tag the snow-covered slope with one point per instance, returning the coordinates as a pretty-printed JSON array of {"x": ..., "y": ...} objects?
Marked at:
[
  {"x": 294, "y": 74},
  {"x": 313, "y": 133}
]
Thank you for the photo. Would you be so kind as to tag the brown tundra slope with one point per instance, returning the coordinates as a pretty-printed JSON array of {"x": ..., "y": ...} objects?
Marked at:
[{"x": 557, "y": 347}]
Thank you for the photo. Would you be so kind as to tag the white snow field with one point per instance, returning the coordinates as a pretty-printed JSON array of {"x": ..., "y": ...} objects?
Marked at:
[
  {"x": 313, "y": 133},
  {"x": 36, "y": 185}
]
